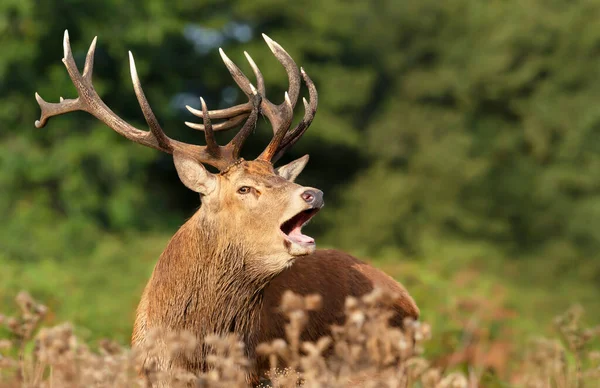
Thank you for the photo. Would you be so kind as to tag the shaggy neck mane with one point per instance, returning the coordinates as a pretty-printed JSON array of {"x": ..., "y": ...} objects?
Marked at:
[{"x": 202, "y": 283}]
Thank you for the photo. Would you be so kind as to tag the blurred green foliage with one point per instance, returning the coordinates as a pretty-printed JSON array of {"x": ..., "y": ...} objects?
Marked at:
[{"x": 450, "y": 135}]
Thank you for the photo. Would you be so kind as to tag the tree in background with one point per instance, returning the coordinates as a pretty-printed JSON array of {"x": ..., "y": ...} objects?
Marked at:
[{"x": 439, "y": 123}]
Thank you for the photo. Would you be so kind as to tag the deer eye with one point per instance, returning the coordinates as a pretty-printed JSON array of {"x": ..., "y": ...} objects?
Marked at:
[{"x": 244, "y": 190}]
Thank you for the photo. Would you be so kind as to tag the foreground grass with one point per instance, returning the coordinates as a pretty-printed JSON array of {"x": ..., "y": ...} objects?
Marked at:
[{"x": 364, "y": 351}]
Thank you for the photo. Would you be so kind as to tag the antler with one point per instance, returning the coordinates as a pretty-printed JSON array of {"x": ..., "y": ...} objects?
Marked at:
[
  {"x": 280, "y": 116},
  {"x": 89, "y": 101}
]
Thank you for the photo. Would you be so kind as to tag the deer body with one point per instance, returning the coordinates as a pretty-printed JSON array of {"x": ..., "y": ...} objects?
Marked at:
[
  {"x": 335, "y": 275},
  {"x": 190, "y": 290},
  {"x": 226, "y": 268}
]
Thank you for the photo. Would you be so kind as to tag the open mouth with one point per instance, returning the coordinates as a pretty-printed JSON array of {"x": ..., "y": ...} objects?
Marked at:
[{"x": 292, "y": 228}]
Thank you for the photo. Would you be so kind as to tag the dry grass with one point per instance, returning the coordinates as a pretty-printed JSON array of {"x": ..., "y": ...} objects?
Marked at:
[{"x": 365, "y": 352}]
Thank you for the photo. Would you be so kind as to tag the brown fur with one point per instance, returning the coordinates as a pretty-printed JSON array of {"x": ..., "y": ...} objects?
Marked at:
[
  {"x": 227, "y": 267},
  {"x": 191, "y": 289}
]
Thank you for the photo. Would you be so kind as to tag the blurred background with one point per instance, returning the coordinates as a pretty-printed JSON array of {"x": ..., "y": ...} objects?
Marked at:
[{"x": 457, "y": 143}]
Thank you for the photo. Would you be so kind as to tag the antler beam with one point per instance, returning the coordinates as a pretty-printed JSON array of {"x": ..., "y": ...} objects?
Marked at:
[{"x": 89, "y": 101}]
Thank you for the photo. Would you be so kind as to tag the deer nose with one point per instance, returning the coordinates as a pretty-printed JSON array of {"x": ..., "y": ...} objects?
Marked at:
[{"x": 313, "y": 197}]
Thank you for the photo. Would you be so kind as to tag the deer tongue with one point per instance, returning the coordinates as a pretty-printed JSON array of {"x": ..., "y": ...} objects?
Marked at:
[{"x": 297, "y": 236}]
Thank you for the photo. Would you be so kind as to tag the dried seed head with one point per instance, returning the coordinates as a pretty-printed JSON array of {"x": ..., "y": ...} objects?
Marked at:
[
  {"x": 351, "y": 303},
  {"x": 454, "y": 380},
  {"x": 313, "y": 302},
  {"x": 357, "y": 318},
  {"x": 264, "y": 349},
  {"x": 12, "y": 323},
  {"x": 373, "y": 297},
  {"x": 279, "y": 345},
  {"x": 5, "y": 344},
  {"x": 25, "y": 301},
  {"x": 291, "y": 301},
  {"x": 431, "y": 378}
]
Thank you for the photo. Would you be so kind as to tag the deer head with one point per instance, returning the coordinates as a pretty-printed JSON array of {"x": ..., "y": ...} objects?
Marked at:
[{"x": 260, "y": 205}]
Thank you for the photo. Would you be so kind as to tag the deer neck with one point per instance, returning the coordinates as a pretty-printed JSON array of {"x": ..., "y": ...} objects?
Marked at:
[{"x": 203, "y": 283}]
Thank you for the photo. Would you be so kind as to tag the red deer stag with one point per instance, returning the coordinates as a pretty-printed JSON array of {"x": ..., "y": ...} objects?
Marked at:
[{"x": 226, "y": 268}]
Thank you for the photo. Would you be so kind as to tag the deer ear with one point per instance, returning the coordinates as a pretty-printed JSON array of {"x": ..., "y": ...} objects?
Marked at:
[
  {"x": 194, "y": 175},
  {"x": 291, "y": 170}
]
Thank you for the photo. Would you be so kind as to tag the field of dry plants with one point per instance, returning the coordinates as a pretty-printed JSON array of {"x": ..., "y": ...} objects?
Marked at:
[{"x": 364, "y": 351}]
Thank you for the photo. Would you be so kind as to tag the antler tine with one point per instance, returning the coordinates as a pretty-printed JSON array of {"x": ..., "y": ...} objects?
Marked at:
[
  {"x": 287, "y": 114},
  {"x": 234, "y": 114},
  {"x": 69, "y": 61},
  {"x": 310, "y": 109},
  {"x": 211, "y": 144},
  {"x": 238, "y": 110},
  {"x": 260, "y": 81},
  {"x": 238, "y": 76},
  {"x": 236, "y": 143},
  {"x": 155, "y": 129},
  {"x": 88, "y": 68},
  {"x": 290, "y": 67},
  {"x": 227, "y": 124}
]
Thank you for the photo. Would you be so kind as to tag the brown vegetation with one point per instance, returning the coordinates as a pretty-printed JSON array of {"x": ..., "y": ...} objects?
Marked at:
[{"x": 363, "y": 351}]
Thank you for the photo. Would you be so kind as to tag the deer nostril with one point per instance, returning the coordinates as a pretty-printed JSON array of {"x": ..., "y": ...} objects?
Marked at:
[
  {"x": 313, "y": 197},
  {"x": 308, "y": 196}
]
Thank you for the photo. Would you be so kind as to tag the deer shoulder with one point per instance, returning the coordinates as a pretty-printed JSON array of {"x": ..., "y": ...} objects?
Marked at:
[{"x": 335, "y": 275}]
